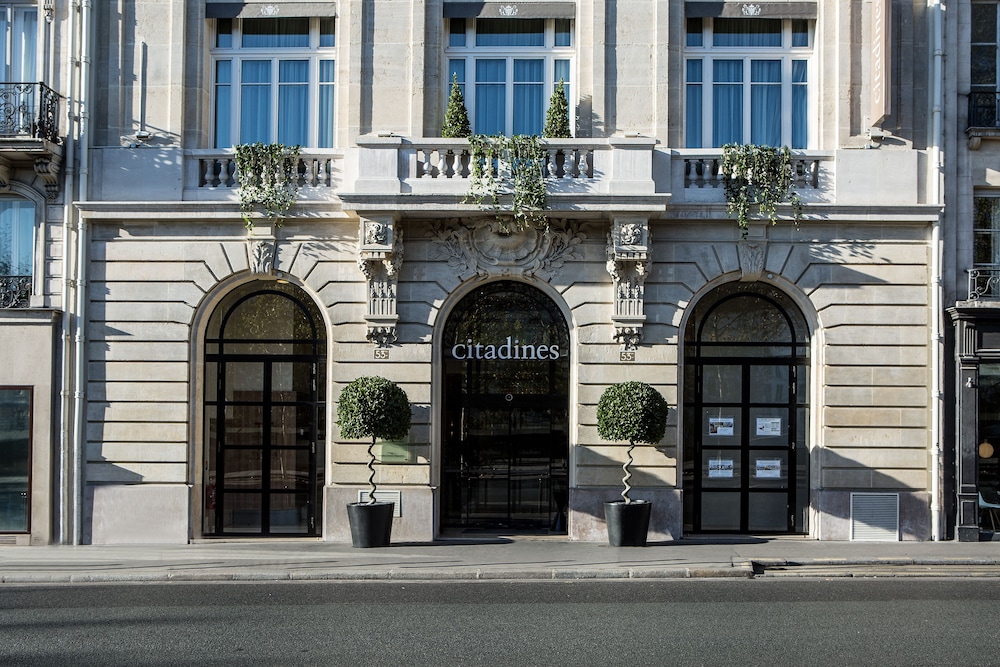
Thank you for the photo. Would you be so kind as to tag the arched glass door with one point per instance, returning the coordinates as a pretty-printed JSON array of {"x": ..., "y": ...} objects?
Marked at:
[
  {"x": 746, "y": 454},
  {"x": 265, "y": 369},
  {"x": 506, "y": 409}
]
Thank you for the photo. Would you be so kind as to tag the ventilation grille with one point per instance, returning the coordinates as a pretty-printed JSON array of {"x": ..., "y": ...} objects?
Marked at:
[
  {"x": 875, "y": 517},
  {"x": 8, "y": 539}
]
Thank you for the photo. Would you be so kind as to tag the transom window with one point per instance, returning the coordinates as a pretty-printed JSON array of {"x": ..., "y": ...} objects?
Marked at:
[
  {"x": 508, "y": 68},
  {"x": 274, "y": 81},
  {"x": 747, "y": 81}
]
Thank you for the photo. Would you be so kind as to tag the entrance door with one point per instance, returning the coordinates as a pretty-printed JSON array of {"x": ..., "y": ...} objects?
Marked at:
[
  {"x": 746, "y": 414},
  {"x": 265, "y": 372},
  {"x": 506, "y": 408}
]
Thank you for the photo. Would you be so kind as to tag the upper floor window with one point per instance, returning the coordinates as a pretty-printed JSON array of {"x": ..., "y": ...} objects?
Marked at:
[
  {"x": 747, "y": 81},
  {"x": 986, "y": 232},
  {"x": 274, "y": 81},
  {"x": 984, "y": 47},
  {"x": 508, "y": 68},
  {"x": 17, "y": 242},
  {"x": 19, "y": 32}
]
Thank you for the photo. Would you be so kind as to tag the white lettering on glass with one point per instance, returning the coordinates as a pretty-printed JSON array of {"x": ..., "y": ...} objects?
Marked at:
[{"x": 510, "y": 349}]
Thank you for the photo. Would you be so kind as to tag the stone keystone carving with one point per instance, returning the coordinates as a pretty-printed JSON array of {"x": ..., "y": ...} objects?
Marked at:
[
  {"x": 628, "y": 265},
  {"x": 751, "y": 254},
  {"x": 260, "y": 253}
]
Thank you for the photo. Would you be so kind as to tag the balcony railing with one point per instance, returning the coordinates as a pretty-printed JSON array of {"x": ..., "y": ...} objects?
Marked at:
[
  {"x": 318, "y": 172},
  {"x": 29, "y": 110},
  {"x": 984, "y": 283},
  {"x": 983, "y": 109},
  {"x": 705, "y": 170},
  {"x": 15, "y": 291}
]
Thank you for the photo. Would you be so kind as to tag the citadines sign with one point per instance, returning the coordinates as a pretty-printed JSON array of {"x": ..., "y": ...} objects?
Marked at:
[{"x": 510, "y": 349}]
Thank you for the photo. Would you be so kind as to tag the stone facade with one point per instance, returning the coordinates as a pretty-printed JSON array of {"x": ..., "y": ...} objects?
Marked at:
[{"x": 385, "y": 245}]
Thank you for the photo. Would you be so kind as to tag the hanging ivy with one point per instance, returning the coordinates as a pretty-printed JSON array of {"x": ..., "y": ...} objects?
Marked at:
[
  {"x": 509, "y": 166},
  {"x": 268, "y": 178},
  {"x": 761, "y": 177}
]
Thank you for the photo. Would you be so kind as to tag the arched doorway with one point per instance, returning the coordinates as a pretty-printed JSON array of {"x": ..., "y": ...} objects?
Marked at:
[
  {"x": 746, "y": 453},
  {"x": 505, "y": 453},
  {"x": 265, "y": 370}
]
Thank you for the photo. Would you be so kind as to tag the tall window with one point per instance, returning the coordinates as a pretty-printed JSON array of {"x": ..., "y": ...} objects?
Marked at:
[
  {"x": 984, "y": 47},
  {"x": 19, "y": 32},
  {"x": 508, "y": 68},
  {"x": 17, "y": 225},
  {"x": 747, "y": 81},
  {"x": 986, "y": 232},
  {"x": 15, "y": 458},
  {"x": 274, "y": 81}
]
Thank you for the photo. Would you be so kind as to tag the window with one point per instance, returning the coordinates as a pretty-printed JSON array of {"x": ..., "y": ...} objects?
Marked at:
[
  {"x": 983, "y": 66},
  {"x": 508, "y": 68},
  {"x": 19, "y": 31},
  {"x": 15, "y": 458},
  {"x": 986, "y": 232},
  {"x": 274, "y": 81},
  {"x": 17, "y": 227},
  {"x": 747, "y": 81}
]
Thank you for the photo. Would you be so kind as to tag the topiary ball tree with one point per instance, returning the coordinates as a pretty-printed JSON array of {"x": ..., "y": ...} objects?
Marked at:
[
  {"x": 373, "y": 407},
  {"x": 633, "y": 412}
]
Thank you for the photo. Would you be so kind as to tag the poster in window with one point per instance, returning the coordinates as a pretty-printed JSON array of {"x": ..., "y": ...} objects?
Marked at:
[
  {"x": 767, "y": 468},
  {"x": 719, "y": 468},
  {"x": 768, "y": 426},
  {"x": 720, "y": 426}
]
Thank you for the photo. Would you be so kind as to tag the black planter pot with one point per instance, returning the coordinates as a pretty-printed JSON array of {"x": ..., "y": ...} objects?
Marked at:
[
  {"x": 371, "y": 523},
  {"x": 627, "y": 524}
]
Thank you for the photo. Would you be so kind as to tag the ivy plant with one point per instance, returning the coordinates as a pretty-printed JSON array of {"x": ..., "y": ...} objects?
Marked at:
[
  {"x": 513, "y": 166},
  {"x": 761, "y": 177},
  {"x": 456, "y": 116},
  {"x": 557, "y": 115},
  {"x": 268, "y": 179},
  {"x": 634, "y": 412},
  {"x": 373, "y": 407}
]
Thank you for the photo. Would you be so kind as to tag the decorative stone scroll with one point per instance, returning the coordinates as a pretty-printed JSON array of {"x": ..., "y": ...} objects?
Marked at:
[
  {"x": 628, "y": 265},
  {"x": 380, "y": 254},
  {"x": 484, "y": 248}
]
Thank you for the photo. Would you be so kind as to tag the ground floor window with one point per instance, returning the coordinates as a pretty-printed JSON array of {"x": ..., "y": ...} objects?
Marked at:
[
  {"x": 265, "y": 372},
  {"x": 746, "y": 455},
  {"x": 15, "y": 459},
  {"x": 988, "y": 448},
  {"x": 506, "y": 412}
]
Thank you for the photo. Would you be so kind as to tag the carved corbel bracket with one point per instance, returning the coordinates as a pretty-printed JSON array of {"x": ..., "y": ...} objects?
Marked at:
[
  {"x": 5, "y": 170},
  {"x": 260, "y": 254},
  {"x": 628, "y": 265},
  {"x": 47, "y": 168},
  {"x": 380, "y": 254},
  {"x": 751, "y": 254}
]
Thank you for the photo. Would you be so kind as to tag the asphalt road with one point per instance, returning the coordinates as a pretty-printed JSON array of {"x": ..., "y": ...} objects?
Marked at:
[{"x": 682, "y": 622}]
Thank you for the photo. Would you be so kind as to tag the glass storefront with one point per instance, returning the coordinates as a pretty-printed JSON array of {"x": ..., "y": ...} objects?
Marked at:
[
  {"x": 264, "y": 394},
  {"x": 15, "y": 459},
  {"x": 506, "y": 411},
  {"x": 988, "y": 448},
  {"x": 746, "y": 457}
]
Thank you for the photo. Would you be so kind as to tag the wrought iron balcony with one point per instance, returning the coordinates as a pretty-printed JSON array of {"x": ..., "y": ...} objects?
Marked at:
[
  {"x": 984, "y": 283},
  {"x": 15, "y": 291},
  {"x": 29, "y": 110},
  {"x": 983, "y": 109}
]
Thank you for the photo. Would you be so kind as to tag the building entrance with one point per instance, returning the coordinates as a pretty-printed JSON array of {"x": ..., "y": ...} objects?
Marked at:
[
  {"x": 265, "y": 368},
  {"x": 746, "y": 455},
  {"x": 506, "y": 409}
]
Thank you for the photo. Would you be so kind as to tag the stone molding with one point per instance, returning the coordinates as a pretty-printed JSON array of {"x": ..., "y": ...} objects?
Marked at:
[
  {"x": 487, "y": 249},
  {"x": 628, "y": 265},
  {"x": 380, "y": 254}
]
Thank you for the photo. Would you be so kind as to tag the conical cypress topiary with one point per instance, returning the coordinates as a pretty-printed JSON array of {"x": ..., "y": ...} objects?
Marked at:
[
  {"x": 557, "y": 116},
  {"x": 456, "y": 117}
]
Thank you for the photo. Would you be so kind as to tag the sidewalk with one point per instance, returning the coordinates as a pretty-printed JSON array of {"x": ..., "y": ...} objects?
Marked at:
[{"x": 495, "y": 558}]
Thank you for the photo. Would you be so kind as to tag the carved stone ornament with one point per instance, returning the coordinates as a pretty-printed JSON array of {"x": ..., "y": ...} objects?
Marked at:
[
  {"x": 751, "y": 10},
  {"x": 485, "y": 249},
  {"x": 751, "y": 254},
  {"x": 260, "y": 253},
  {"x": 628, "y": 265},
  {"x": 47, "y": 169},
  {"x": 380, "y": 254}
]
